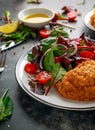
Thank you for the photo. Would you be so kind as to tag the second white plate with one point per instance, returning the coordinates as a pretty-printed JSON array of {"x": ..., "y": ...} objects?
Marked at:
[{"x": 87, "y": 20}]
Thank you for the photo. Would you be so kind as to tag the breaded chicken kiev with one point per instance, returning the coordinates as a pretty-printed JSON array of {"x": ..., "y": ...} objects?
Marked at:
[{"x": 79, "y": 83}]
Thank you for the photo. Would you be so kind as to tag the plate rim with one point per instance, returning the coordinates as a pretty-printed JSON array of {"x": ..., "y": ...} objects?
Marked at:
[
  {"x": 38, "y": 99},
  {"x": 87, "y": 23}
]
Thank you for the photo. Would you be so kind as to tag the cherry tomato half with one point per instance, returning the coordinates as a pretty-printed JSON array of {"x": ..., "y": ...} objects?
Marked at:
[
  {"x": 87, "y": 54},
  {"x": 43, "y": 77},
  {"x": 30, "y": 68},
  {"x": 72, "y": 15},
  {"x": 44, "y": 33}
]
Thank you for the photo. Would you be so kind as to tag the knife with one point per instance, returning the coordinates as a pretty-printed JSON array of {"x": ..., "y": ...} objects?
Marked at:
[{"x": 12, "y": 44}]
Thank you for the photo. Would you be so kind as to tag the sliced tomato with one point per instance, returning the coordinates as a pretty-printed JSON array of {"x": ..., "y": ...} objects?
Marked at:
[
  {"x": 30, "y": 68},
  {"x": 87, "y": 54},
  {"x": 72, "y": 15},
  {"x": 44, "y": 33},
  {"x": 43, "y": 77}
]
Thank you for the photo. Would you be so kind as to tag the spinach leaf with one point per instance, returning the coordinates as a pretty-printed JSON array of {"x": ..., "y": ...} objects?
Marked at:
[
  {"x": 57, "y": 74},
  {"x": 2, "y": 109},
  {"x": 30, "y": 57},
  {"x": 49, "y": 61},
  {"x": 58, "y": 71},
  {"x": 50, "y": 65},
  {"x": 60, "y": 50},
  {"x": 28, "y": 30},
  {"x": 6, "y": 106},
  {"x": 20, "y": 35},
  {"x": 59, "y": 31},
  {"x": 47, "y": 42}
]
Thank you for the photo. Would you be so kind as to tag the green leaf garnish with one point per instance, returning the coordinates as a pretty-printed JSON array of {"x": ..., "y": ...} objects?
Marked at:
[
  {"x": 49, "y": 61},
  {"x": 20, "y": 35},
  {"x": 47, "y": 43},
  {"x": 30, "y": 57},
  {"x": 59, "y": 31},
  {"x": 57, "y": 74},
  {"x": 6, "y": 106}
]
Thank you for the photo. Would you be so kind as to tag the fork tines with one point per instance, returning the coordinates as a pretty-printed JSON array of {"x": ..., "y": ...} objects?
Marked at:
[{"x": 2, "y": 58}]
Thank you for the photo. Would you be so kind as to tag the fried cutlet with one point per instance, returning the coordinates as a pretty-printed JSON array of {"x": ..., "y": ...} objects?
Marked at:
[{"x": 79, "y": 83}]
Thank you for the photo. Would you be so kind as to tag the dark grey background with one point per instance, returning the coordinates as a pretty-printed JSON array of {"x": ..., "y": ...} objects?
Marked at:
[{"x": 30, "y": 114}]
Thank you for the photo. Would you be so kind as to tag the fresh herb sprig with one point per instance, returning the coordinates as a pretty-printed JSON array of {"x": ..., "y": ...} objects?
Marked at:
[{"x": 6, "y": 106}]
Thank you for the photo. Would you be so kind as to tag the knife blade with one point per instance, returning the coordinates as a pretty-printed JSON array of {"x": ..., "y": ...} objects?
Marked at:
[{"x": 12, "y": 44}]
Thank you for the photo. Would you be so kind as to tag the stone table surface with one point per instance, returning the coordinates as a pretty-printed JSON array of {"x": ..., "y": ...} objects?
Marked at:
[{"x": 29, "y": 114}]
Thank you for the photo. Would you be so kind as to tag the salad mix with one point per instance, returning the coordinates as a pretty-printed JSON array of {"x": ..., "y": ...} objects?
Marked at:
[{"x": 53, "y": 57}]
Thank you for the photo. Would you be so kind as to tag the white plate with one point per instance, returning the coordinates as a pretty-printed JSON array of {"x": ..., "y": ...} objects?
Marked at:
[
  {"x": 53, "y": 98},
  {"x": 87, "y": 20}
]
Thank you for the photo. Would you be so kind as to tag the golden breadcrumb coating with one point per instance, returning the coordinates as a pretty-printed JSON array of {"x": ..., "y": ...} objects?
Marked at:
[
  {"x": 92, "y": 19},
  {"x": 79, "y": 83}
]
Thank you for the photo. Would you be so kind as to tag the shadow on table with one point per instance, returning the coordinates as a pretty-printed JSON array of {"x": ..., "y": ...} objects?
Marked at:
[{"x": 56, "y": 119}]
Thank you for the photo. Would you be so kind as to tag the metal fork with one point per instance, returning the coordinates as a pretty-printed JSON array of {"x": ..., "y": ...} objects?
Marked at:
[{"x": 2, "y": 60}]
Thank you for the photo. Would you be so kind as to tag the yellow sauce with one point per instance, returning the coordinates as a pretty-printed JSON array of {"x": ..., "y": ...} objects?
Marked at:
[{"x": 35, "y": 18}]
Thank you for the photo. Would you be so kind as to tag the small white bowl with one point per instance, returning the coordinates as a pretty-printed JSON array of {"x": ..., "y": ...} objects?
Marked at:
[{"x": 26, "y": 12}]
